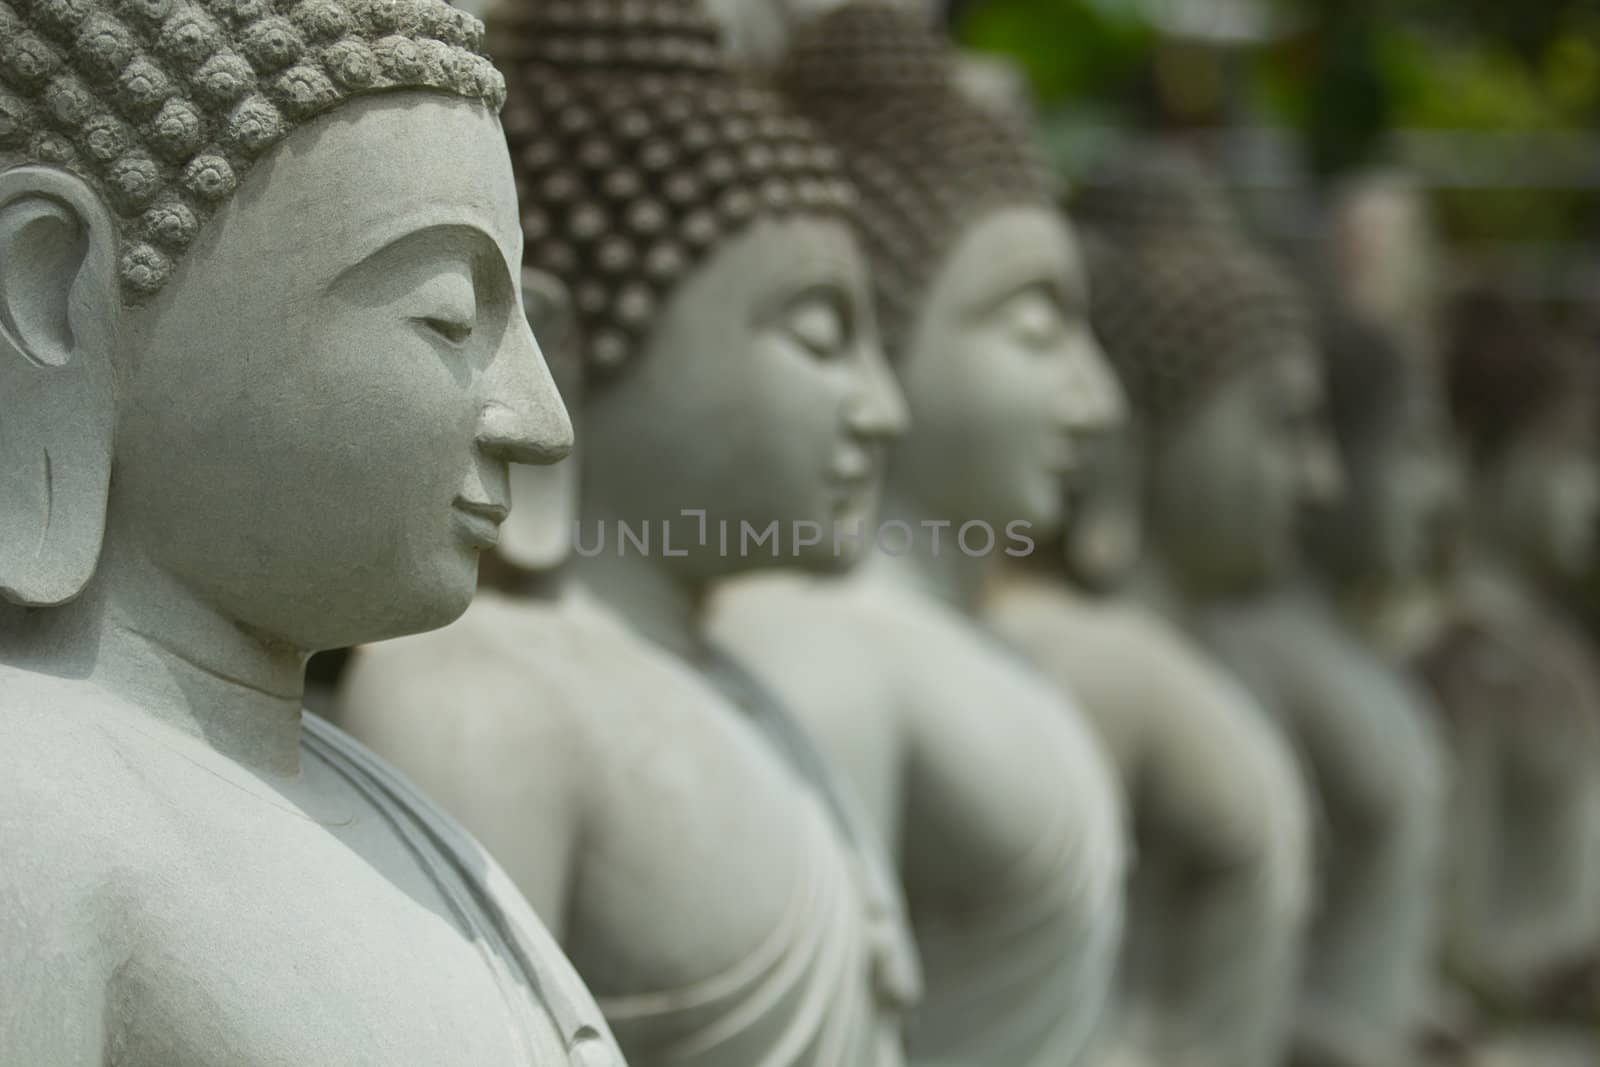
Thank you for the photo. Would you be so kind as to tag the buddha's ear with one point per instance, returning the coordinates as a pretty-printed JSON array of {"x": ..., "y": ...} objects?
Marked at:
[{"x": 59, "y": 313}]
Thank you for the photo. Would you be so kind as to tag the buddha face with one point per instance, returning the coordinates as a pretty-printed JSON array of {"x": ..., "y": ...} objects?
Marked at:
[
  {"x": 1229, "y": 478},
  {"x": 760, "y": 396},
  {"x": 1544, "y": 490},
  {"x": 1002, "y": 377},
  {"x": 1393, "y": 521},
  {"x": 317, "y": 413}
]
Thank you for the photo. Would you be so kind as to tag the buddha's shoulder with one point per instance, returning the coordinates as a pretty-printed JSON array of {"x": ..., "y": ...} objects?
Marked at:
[
  {"x": 56, "y": 727},
  {"x": 810, "y": 608},
  {"x": 1035, "y": 613},
  {"x": 541, "y": 660},
  {"x": 78, "y": 799}
]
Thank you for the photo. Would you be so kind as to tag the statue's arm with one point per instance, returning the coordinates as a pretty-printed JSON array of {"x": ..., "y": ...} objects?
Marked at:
[
  {"x": 493, "y": 746},
  {"x": 1008, "y": 795}
]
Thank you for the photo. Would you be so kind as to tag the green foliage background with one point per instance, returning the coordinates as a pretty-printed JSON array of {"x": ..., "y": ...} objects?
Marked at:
[{"x": 1343, "y": 73}]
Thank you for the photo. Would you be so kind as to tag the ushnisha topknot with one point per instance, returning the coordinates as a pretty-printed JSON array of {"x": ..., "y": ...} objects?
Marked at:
[
  {"x": 637, "y": 150},
  {"x": 1179, "y": 296},
  {"x": 928, "y": 161},
  {"x": 163, "y": 105}
]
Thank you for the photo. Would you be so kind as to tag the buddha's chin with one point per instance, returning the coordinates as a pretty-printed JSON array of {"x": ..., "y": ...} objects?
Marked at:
[{"x": 433, "y": 598}]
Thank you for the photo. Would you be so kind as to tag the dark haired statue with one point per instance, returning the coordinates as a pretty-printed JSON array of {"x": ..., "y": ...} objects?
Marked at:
[
  {"x": 1518, "y": 681},
  {"x": 1218, "y": 892},
  {"x": 1218, "y": 354},
  {"x": 262, "y": 370},
  {"x": 990, "y": 788},
  {"x": 698, "y": 858}
]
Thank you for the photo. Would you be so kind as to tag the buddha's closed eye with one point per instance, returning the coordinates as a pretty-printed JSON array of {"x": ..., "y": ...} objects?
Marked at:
[
  {"x": 819, "y": 324},
  {"x": 456, "y": 331},
  {"x": 448, "y": 305},
  {"x": 1034, "y": 317}
]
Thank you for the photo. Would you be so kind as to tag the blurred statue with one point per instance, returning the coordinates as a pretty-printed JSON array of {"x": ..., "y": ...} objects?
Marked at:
[
  {"x": 1383, "y": 258},
  {"x": 714, "y": 882},
  {"x": 265, "y": 268},
  {"x": 1218, "y": 356},
  {"x": 985, "y": 783},
  {"x": 757, "y": 33},
  {"x": 1518, "y": 681},
  {"x": 1217, "y": 895}
]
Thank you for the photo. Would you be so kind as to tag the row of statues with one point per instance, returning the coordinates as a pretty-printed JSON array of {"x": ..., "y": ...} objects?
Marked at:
[{"x": 932, "y": 628}]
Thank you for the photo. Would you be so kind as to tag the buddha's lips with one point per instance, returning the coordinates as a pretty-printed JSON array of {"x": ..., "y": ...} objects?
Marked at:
[{"x": 480, "y": 521}]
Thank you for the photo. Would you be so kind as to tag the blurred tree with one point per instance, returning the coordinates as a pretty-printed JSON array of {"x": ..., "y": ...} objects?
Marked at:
[{"x": 1072, "y": 50}]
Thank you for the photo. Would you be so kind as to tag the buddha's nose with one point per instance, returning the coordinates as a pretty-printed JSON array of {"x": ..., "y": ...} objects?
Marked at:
[
  {"x": 1095, "y": 401},
  {"x": 879, "y": 411},
  {"x": 523, "y": 419}
]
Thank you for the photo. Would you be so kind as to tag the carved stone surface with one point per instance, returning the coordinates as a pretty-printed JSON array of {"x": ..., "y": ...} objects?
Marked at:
[
  {"x": 1518, "y": 681},
  {"x": 696, "y": 879},
  {"x": 1218, "y": 353},
  {"x": 714, "y": 883},
  {"x": 1219, "y": 895},
  {"x": 305, "y": 293},
  {"x": 998, "y": 802}
]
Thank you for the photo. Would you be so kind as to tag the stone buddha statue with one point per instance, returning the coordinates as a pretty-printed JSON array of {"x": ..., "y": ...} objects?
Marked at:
[
  {"x": 1380, "y": 263},
  {"x": 1218, "y": 356},
  {"x": 262, "y": 370},
  {"x": 1386, "y": 539},
  {"x": 1217, "y": 892},
  {"x": 987, "y": 785},
  {"x": 710, "y": 876},
  {"x": 1517, "y": 679}
]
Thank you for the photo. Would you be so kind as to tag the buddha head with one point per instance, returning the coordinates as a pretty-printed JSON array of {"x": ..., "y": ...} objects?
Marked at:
[
  {"x": 262, "y": 352},
  {"x": 701, "y": 233},
  {"x": 757, "y": 32},
  {"x": 1383, "y": 252},
  {"x": 1522, "y": 396},
  {"x": 1216, "y": 353},
  {"x": 1392, "y": 525},
  {"x": 980, "y": 293}
]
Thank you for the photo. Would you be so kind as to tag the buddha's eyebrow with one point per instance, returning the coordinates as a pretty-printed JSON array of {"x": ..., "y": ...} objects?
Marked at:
[{"x": 462, "y": 241}]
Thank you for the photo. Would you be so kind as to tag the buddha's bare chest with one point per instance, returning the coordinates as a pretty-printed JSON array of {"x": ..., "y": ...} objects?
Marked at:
[
  {"x": 260, "y": 935},
  {"x": 279, "y": 994},
  {"x": 707, "y": 852}
]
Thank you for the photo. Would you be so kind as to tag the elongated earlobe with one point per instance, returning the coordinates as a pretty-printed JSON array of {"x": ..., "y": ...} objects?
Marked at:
[{"x": 59, "y": 310}]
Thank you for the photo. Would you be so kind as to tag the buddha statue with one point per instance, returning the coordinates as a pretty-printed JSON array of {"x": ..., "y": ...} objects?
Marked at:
[
  {"x": 756, "y": 33},
  {"x": 699, "y": 860},
  {"x": 1515, "y": 675},
  {"x": 1218, "y": 890},
  {"x": 1379, "y": 260},
  {"x": 1381, "y": 252},
  {"x": 1218, "y": 356},
  {"x": 262, "y": 370},
  {"x": 985, "y": 782}
]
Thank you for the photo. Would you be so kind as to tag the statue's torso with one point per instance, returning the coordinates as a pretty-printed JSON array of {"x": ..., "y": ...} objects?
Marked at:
[
  {"x": 220, "y": 917},
  {"x": 1519, "y": 692},
  {"x": 1002, "y": 805},
  {"x": 709, "y": 899},
  {"x": 1219, "y": 891},
  {"x": 1376, "y": 766}
]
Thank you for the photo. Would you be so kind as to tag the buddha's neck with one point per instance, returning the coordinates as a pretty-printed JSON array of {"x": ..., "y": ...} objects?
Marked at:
[
  {"x": 935, "y": 567},
  {"x": 141, "y": 636},
  {"x": 651, "y": 596}
]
